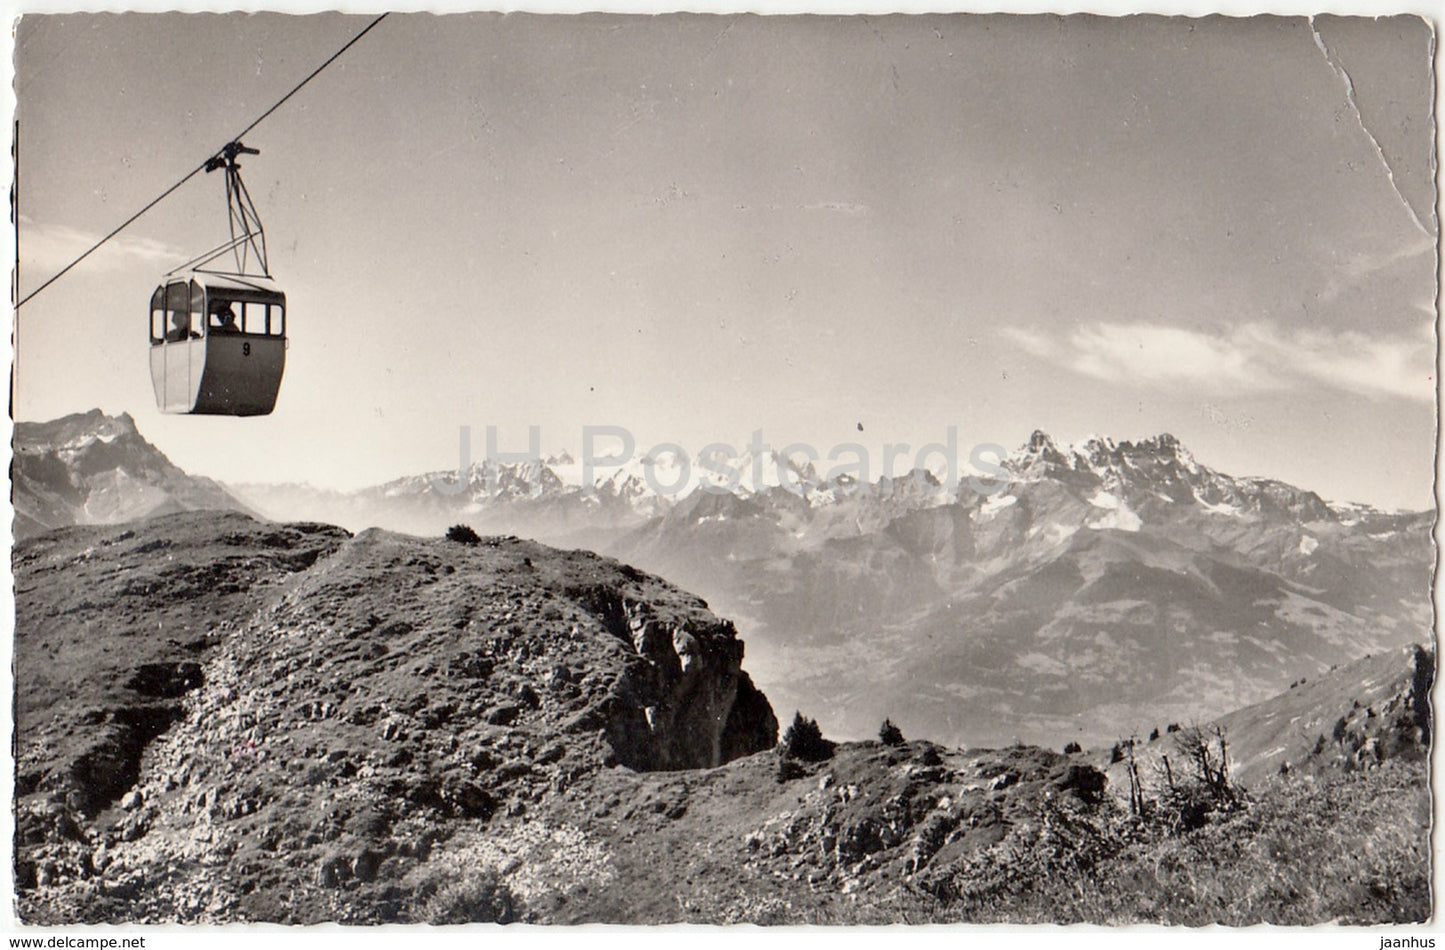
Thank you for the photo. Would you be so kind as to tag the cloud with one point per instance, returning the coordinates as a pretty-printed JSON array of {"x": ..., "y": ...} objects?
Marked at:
[
  {"x": 1033, "y": 341},
  {"x": 1411, "y": 264},
  {"x": 1251, "y": 357},
  {"x": 46, "y": 248}
]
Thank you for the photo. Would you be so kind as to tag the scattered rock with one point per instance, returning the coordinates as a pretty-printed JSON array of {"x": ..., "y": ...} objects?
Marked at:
[{"x": 504, "y": 715}]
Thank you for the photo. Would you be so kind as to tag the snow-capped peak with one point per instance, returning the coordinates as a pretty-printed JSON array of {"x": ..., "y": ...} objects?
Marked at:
[{"x": 1153, "y": 470}]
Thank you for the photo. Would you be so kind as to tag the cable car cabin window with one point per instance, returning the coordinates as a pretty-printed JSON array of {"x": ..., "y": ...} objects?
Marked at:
[
  {"x": 250, "y": 317},
  {"x": 258, "y": 318},
  {"x": 158, "y": 316},
  {"x": 184, "y": 305}
]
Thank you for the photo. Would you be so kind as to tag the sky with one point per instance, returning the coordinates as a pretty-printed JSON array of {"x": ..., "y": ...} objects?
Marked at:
[{"x": 695, "y": 227}]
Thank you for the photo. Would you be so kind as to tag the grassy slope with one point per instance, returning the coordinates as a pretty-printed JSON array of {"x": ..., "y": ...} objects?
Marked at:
[
  {"x": 112, "y": 624},
  {"x": 1341, "y": 847},
  {"x": 734, "y": 844}
]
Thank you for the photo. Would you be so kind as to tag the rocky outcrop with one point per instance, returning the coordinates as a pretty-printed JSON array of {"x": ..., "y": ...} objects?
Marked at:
[
  {"x": 317, "y": 711},
  {"x": 687, "y": 704}
]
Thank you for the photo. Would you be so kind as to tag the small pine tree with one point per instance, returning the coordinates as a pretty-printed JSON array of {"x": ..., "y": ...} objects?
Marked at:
[
  {"x": 804, "y": 740},
  {"x": 463, "y": 534},
  {"x": 1073, "y": 748},
  {"x": 889, "y": 734},
  {"x": 1154, "y": 736},
  {"x": 1116, "y": 754}
]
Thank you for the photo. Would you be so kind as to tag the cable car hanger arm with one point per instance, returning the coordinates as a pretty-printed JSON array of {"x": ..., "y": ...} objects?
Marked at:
[
  {"x": 197, "y": 263},
  {"x": 240, "y": 210}
]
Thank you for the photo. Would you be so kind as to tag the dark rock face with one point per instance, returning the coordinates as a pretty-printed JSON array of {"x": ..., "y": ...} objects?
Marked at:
[
  {"x": 751, "y": 725},
  {"x": 679, "y": 706},
  {"x": 1085, "y": 782},
  {"x": 683, "y": 701}
]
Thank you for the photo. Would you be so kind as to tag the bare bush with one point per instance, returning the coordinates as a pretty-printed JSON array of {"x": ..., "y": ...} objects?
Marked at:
[{"x": 1202, "y": 784}]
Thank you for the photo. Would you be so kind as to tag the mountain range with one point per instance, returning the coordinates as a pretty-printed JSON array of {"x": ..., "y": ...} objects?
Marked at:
[
  {"x": 1096, "y": 587},
  {"x": 1097, "y": 581}
]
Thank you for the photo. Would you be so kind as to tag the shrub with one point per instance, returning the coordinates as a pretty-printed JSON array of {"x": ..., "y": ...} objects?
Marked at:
[
  {"x": 804, "y": 740},
  {"x": 477, "y": 899},
  {"x": 1070, "y": 842},
  {"x": 463, "y": 534},
  {"x": 788, "y": 770},
  {"x": 1073, "y": 748},
  {"x": 889, "y": 734}
]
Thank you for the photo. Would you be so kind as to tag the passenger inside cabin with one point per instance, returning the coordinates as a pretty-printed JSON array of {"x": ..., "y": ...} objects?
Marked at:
[
  {"x": 223, "y": 319},
  {"x": 180, "y": 328}
]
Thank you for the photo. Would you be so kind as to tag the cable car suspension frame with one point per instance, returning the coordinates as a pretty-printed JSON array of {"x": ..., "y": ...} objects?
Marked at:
[{"x": 248, "y": 235}]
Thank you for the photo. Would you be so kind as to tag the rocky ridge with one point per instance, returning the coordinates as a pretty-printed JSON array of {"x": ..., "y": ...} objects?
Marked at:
[{"x": 320, "y": 741}]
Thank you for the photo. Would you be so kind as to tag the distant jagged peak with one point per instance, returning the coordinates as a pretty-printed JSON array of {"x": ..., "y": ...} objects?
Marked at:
[
  {"x": 74, "y": 431},
  {"x": 94, "y": 468},
  {"x": 1161, "y": 456},
  {"x": 1041, "y": 443},
  {"x": 1158, "y": 468},
  {"x": 1097, "y": 445},
  {"x": 488, "y": 477},
  {"x": 1164, "y": 446},
  {"x": 1099, "y": 451},
  {"x": 1038, "y": 456}
]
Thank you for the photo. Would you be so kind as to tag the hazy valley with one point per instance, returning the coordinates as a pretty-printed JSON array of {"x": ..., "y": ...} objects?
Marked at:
[{"x": 1096, "y": 586}]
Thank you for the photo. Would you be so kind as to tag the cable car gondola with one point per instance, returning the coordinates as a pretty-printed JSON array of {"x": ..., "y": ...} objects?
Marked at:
[{"x": 218, "y": 338}]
